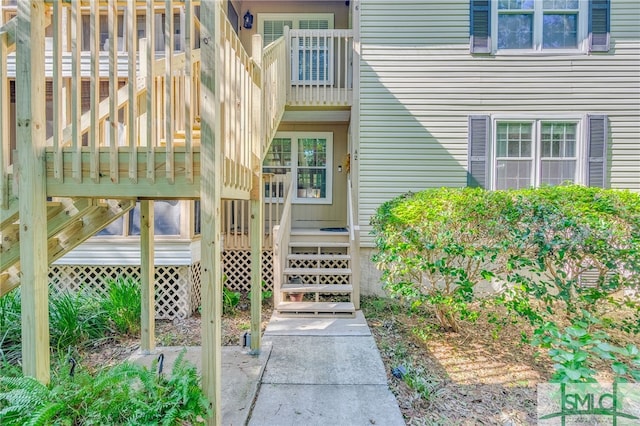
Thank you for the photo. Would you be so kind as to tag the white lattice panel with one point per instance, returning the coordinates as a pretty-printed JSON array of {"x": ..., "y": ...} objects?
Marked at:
[
  {"x": 237, "y": 269},
  {"x": 177, "y": 288}
]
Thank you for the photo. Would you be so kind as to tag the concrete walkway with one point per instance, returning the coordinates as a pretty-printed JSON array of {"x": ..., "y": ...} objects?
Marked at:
[
  {"x": 310, "y": 372},
  {"x": 323, "y": 372}
]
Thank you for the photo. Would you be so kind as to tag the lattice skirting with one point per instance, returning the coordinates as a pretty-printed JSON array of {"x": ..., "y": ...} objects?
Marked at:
[
  {"x": 237, "y": 269},
  {"x": 178, "y": 288}
]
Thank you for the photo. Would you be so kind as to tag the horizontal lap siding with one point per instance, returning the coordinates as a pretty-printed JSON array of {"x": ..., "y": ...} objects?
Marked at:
[{"x": 419, "y": 84}]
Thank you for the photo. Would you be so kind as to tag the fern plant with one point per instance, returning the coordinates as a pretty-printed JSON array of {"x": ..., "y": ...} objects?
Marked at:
[{"x": 125, "y": 394}]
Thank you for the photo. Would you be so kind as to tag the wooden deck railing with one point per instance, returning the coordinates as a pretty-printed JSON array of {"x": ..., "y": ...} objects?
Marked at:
[
  {"x": 281, "y": 238},
  {"x": 321, "y": 67},
  {"x": 354, "y": 243},
  {"x": 274, "y": 87},
  {"x": 238, "y": 83},
  {"x": 5, "y": 142},
  {"x": 235, "y": 214}
]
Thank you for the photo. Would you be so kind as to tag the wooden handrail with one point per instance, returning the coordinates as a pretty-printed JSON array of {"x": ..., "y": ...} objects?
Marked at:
[
  {"x": 354, "y": 244},
  {"x": 281, "y": 238}
]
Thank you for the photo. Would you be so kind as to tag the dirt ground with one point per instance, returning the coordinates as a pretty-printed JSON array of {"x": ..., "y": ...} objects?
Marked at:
[{"x": 474, "y": 377}]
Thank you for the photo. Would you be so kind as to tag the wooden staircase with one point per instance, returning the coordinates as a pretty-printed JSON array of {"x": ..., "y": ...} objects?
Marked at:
[
  {"x": 317, "y": 278},
  {"x": 70, "y": 222}
]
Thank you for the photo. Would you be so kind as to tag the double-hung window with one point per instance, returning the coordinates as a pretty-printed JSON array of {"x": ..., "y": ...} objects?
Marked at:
[
  {"x": 515, "y": 153},
  {"x": 540, "y": 24},
  {"x": 308, "y": 158},
  {"x": 535, "y": 153},
  {"x": 529, "y": 26},
  {"x": 311, "y": 52}
]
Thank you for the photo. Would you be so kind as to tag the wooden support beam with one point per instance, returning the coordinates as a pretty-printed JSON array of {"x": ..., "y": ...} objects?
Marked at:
[
  {"x": 210, "y": 216},
  {"x": 147, "y": 277},
  {"x": 30, "y": 135},
  {"x": 151, "y": 94},
  {"x": 257, "y": 193}
]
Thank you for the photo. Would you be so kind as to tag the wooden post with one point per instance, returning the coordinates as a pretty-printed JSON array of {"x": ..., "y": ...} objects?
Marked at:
[
  {"x": 147, "y": 275},
  {"x": 30, "y": 135},
  {"x": 257, "y": 192},
  {"x": 210, "y": 208}
]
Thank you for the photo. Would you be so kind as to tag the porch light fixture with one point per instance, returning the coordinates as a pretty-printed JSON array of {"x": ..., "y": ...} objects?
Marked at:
[{"x": 247, "y": 20}]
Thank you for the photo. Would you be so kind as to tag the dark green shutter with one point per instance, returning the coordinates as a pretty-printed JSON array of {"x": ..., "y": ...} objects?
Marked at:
[
  {"x": 477, "y": 174},
  {"x": 599, "y": 25},
  {"x": 597, "y": 135},
  {"x": 480, "y": 26}
]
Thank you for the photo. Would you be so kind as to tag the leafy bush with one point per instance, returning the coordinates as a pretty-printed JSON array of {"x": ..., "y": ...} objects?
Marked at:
[
  {"x": 123, "y": 304},
  {"x": 125, "y": 394},
  {"x": 230, "y": 300},
  {"x": 437, "y": 246}
]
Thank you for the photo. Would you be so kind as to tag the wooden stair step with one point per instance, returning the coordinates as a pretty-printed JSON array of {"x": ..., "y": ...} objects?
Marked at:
[
  {"x": 317, "y": 288},
  {"x": 323, "y": 244},
  {"x": 317, "y": 271},
  {"x": 324, "y": 256},
  {"x": 316, "y": 309}
]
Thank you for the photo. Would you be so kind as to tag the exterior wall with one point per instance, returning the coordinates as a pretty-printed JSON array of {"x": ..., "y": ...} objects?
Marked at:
[
  {"x": 338, "y": 8},
  {"x": 324, "y": 215},
  {"x": 419, "y": 84}
]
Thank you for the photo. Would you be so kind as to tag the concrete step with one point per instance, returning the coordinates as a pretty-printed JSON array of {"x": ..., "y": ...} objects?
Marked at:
[
  {"x": 316, "y": 288},
  {"x": 317, "y": 271},
  {"x": 316, "y": 309}
]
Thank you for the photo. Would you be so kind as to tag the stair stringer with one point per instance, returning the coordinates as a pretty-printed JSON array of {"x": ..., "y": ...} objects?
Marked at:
[{"x": 84, "y": 218}]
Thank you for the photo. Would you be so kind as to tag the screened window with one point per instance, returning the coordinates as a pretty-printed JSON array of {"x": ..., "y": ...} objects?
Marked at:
[
  {"x": 308, "y": 158},
  {"x": 535, "y": 153},
  {"x": 540, "y": 24},
  {"x": 311, "y": 55}
]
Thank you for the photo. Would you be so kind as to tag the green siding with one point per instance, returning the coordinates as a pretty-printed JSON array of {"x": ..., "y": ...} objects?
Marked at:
[{"x": 419, "y": 84}]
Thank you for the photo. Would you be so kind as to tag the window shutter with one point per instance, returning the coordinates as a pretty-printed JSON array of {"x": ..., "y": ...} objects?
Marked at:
[
  {"x": 480, "y": 26},
  {"x": 599, "y": 25},
  {"x": 597, "y": 135},
  {"x": 478, "y": 152}
]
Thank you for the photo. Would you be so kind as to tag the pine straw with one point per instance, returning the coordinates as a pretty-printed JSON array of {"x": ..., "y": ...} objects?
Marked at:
[
  {"x": 177, "y": 332},
  {"x": 475, "y": 377}
]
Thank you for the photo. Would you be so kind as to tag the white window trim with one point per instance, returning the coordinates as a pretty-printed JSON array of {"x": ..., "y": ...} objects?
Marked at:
[
  {"x": 582, "y": 35},
  {"x": 295, "y": 19},
  {"x": 294, "y": 136},
  {"x": 581, "y": 144}
]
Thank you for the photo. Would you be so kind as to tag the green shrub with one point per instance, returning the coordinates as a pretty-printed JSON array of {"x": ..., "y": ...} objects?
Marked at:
[
  {"x": 230, "y": 300},
  {"x": 123, "y": 304},
  {"x": 125, "y": 394},
  {"x": 437, "y": 246}
]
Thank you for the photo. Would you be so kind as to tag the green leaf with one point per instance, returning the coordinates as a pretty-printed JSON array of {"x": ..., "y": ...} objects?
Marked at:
[
  {"x": 619, "y": 368},
  {"x": 572, "y": 374}
]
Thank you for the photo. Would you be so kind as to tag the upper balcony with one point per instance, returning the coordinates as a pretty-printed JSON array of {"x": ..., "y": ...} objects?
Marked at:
[{"x": 126, "y": 115}]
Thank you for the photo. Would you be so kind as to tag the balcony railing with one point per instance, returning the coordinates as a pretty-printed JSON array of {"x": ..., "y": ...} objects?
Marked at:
[{"x": 321, "y": 67}]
